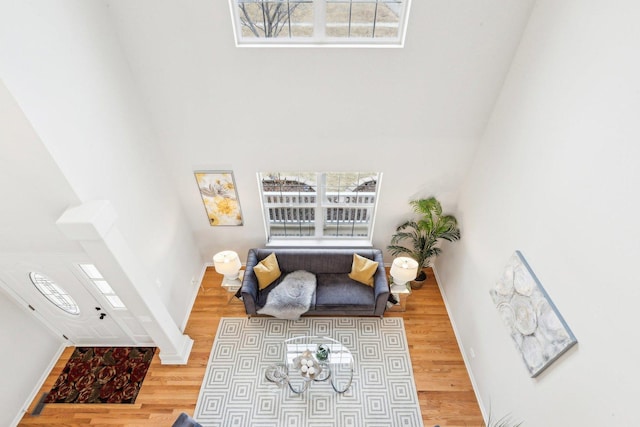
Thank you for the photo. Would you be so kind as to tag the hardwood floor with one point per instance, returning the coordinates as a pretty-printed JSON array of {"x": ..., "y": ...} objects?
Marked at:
[{"x": 444, "y": 389}]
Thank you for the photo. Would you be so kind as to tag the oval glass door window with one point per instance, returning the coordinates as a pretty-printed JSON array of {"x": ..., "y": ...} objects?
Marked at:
[{"x": 54, "y": 293}]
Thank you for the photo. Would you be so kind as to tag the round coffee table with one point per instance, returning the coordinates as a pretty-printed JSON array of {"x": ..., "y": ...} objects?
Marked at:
[{"x": 311, "y": 359}]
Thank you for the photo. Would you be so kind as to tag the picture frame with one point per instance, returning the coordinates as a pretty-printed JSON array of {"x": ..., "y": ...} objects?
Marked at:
[
  {"x": 537, "y": 328},
  {"x": 220, "y": 197}
]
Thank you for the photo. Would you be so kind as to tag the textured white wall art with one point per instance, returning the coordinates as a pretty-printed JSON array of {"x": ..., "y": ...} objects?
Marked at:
[{"x": 535, "y": 324}]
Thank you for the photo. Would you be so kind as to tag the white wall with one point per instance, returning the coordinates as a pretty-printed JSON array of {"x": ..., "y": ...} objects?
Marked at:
[
  {"x": 413, "y": 113},
  {"x": 63, "y": 64},
  {"x": 33, "y": 349},
  {"x": 33, "y": 195},
  {"x": 556, "y": 177}
]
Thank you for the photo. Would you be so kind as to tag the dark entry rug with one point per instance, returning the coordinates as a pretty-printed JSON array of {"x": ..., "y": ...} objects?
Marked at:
[{"x": 102, "y": 375}]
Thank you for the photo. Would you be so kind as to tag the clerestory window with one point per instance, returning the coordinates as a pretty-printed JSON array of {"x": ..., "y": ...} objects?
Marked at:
[
  {"x": 320, "y": 22},
  {"x": 319, "y": 205}
]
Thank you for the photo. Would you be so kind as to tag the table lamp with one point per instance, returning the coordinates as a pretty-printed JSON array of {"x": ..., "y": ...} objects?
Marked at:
[
  {"x": 228, "y": 264},
  {"x": 403, "y": 270}
]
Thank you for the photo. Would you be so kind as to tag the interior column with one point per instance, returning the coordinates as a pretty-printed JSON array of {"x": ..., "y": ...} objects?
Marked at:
[{"x": 93, "y": 226}]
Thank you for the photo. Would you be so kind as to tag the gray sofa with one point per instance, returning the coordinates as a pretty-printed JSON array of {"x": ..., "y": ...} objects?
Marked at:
[{"x": 336, "y": 293}]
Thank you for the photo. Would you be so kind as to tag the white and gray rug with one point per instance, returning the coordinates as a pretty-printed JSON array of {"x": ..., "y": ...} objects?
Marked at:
[{"x": 235, "y": 392}]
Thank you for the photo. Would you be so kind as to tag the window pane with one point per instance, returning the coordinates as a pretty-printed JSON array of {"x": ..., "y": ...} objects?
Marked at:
[
  {"x": 362, "y": 19},
  {"x": 388, "y": 19},
  {"x": 54, "y": 293},
  {"x": 91, "y": 271},
  {"x": 338, "y": 19},
  {"x": 115, "y": 301},
  {"x": 290, "y": 200},
  {"x": 279, "y": 18},
  {"x": 46, "y": 288},
  {"x": 103, "y": 286},
  {"x": 302, "y": 20},
  {"x": 345, "y": 222},
  {"x": 350, "y": 199}
]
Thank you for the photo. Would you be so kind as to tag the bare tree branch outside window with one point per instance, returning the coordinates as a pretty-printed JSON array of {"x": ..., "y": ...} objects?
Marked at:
[{"x": 267, "y": 18}]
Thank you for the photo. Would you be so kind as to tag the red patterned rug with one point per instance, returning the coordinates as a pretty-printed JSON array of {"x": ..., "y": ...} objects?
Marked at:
[{"x": 102, "y": 375}]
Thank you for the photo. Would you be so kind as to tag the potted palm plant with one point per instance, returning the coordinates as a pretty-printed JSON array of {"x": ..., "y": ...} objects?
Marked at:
[{"x": 418, "y": 238}]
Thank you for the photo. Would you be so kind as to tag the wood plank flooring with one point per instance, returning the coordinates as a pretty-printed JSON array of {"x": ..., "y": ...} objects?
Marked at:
[{"x": 444, "y": 389}]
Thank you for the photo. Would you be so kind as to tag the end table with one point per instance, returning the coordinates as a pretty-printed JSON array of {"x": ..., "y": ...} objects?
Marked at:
[
  {"x": 401, "y": 293},
  {"x": 233, "y": 286}
]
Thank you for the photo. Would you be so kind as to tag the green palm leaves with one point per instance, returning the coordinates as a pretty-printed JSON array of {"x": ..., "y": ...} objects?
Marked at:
[{"x": 419, "y": 238}]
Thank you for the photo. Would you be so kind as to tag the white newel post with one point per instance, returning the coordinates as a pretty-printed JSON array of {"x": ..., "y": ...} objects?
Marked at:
[{"x": 93, "y": 225}]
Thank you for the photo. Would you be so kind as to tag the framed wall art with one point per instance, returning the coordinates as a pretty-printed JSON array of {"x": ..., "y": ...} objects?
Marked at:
[
  {"x": 220, "y": 197},
  {"x": 538, "y": 330}
]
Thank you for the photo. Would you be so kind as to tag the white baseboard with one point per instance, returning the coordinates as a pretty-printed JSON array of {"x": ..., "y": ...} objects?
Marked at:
[
  {"x": 461, "y": 346},
  {"x": 194, "y": 294},
  {"x": 38, "y": 386},
  {"x": 181, "y": 357}
]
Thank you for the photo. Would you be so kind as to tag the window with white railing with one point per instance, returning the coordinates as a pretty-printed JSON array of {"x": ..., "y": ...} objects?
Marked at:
[
  {"x": 319, "y": 205},
  {"x": 319, "y": 22}
]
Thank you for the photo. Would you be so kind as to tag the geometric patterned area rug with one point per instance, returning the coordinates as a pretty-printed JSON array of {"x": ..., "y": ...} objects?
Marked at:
[
  {"x": 235, "y": 391},
  {"x": 102, "y": 375}
]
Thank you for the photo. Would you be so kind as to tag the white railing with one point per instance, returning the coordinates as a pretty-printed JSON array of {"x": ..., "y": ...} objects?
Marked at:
[{"x": 296, "y": 208}]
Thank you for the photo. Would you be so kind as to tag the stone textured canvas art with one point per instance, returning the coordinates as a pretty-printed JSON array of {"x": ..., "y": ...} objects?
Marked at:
[{"x": 534, "y": 323}]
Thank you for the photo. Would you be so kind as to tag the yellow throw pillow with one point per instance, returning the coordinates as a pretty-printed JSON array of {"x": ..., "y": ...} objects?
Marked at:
[
  {"x": 363, "y": 269},
  {"x": 267, "y": 271}
]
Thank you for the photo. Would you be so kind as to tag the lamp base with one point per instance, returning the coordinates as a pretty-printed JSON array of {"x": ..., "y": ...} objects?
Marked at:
[
  {"x": 233, "y": 284},
  {"x": 399, "y": 288}
]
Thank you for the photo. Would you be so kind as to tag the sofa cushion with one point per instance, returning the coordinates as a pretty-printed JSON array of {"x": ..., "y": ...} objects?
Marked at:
[
  {"x": 363, "y": 269},
  {"x": 315, "y": 260},
  {"x": 267, "y": 271},
  {"x": 338, "y": 290}
]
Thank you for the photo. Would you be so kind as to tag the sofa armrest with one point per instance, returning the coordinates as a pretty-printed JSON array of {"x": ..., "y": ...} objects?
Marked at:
[
  {"x": 380, "y": 286},
  {"x": 249, "y": 287}
]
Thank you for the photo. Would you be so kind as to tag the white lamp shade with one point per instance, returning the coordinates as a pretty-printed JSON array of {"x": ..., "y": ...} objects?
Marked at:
[
  {"x": 227, "y": 263},
  {"x": 404, "y": 269}
]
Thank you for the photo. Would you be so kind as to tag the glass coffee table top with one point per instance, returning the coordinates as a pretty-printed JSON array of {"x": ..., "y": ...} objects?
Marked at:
[{"x": 310, "y": 359}]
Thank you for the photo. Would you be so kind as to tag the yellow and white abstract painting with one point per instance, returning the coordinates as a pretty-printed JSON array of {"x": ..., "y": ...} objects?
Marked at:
[{"x": 220, "y": 198}]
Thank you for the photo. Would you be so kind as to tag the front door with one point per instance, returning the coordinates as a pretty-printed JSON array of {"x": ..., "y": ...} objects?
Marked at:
[{"x": 79, "y": 316}]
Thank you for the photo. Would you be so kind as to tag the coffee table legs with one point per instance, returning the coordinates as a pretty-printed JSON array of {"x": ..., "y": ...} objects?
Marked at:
[{"x": 277, "y": 374}]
